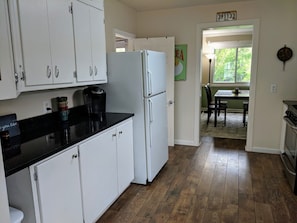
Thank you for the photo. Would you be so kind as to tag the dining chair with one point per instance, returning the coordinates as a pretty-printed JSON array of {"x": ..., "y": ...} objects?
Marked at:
[
  {"x": 245, "y": 111},
  {"x": 221, "y": 106}
]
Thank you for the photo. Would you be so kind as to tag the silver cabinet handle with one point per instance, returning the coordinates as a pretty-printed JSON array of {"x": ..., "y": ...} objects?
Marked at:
[
  {"x": 48, "y": 71},
  {"x": 57, "y": 71},
  {"x": 96, "y": 71},
  {"x": 149, "y": 74},
  {"x": 91, "y": 70},
  {"x": 151, "y": 117}
]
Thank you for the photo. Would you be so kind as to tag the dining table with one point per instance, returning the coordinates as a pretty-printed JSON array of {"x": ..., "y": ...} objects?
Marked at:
[{"x": 229, "y": 95}]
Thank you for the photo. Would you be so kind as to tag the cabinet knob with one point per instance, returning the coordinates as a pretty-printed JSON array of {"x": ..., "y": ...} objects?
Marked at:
[
  {"x": 74, "y": 156},
  {"x": 96, "y": 70},
  {"x": 48, "y": 71},
  {"x": 57, "y": 71},
  {"x": 91, "y": 70},
  {"x": 114, "y": 135},
  {"x": 120, "y": 132}
]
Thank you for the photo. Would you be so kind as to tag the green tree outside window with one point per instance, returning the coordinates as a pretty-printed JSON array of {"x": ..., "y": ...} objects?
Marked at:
[{"x": 232, "y": 65}]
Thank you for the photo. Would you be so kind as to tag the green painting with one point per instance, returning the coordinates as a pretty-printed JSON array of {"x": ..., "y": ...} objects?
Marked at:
[{"x": 180, "y": 63}]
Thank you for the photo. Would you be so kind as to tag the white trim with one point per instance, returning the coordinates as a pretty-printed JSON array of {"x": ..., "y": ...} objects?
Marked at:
[
  {"x": 200, "y": 27},
  {"x": 185, "y": 142},
  {"x": 283, "y": 131},
  {"x": 123, "y": 34},
  {"x": 264, "y": 150}
]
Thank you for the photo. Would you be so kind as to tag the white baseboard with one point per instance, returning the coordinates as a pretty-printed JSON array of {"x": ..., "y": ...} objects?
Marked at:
[
  {"x": 185, "y": 142},
  {"x": 264, "y": 150},
  {"x": 254, "y": 149}
]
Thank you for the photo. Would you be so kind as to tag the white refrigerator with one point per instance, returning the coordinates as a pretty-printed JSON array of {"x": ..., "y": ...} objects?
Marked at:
[{"x": 137, "y": 84}]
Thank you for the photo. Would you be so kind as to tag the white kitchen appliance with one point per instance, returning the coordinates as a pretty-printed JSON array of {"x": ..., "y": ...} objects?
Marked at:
[{"x": 137, "y": 84}]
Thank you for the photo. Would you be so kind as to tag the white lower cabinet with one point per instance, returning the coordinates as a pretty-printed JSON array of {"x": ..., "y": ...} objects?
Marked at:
[
  {"x": 58, "y": 187},
  {"x": 79, "y": 184},
  {"x": 98, "y": 174},
  {"x": 49, "y": 191},
  {"x": 107, "y": 169},
  {"x": 125, "y": 157}
]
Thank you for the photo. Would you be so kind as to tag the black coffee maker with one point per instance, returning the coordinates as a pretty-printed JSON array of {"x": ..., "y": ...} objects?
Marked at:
[{"x": 95, "y": 100}]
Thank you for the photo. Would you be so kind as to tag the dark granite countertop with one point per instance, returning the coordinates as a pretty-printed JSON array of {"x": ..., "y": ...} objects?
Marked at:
[
  {"x": 290, "y": 102},
  {"x": 292, "y": 105},
  {"x": 43, "y": 136}
]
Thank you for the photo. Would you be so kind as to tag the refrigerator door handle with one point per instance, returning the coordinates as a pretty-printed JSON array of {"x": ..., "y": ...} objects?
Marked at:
[
  {"x": 149, "y": 74},
  {"x": 151, "y": 119},
  {"x": 151, "y": 111}
]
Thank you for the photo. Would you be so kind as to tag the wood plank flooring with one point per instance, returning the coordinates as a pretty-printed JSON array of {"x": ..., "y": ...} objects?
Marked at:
[{"x": 216, "y": 182}]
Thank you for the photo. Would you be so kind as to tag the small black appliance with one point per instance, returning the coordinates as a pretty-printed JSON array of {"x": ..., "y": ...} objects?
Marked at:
[{"x": 95, "y": 100}]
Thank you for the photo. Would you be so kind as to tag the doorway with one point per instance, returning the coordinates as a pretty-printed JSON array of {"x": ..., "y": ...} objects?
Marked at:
[{"x": 255, "y": 35}]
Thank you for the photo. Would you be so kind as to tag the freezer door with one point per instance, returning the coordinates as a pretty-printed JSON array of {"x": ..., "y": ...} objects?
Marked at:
[
  {"x": 156, "y": 134},
  {"x": 154, "y": 71}
]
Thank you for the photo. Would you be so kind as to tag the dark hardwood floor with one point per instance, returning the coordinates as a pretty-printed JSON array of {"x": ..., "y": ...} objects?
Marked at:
[{"x": 216, "y": 182}]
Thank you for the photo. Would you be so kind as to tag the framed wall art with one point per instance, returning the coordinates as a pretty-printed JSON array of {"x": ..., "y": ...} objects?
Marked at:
[{"x": 180, "y": 63}]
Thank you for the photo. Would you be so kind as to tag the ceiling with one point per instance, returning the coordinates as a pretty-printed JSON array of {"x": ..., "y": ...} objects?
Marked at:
[{"x": 147, "y": 5}]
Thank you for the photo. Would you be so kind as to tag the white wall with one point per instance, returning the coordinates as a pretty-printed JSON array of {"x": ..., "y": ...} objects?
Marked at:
[
  {"x": 277, "y": 27},
  {"x": 30, "y": 104},
  {"x": 120, "y": 17}
]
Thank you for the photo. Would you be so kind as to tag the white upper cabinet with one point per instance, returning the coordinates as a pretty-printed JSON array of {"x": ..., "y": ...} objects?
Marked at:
[
  {"x": 62, "y": 41},
  {"x": 7, "y": 81},
  {"x": 47, "y": 41},
  {"x": 90, "y": 49}
]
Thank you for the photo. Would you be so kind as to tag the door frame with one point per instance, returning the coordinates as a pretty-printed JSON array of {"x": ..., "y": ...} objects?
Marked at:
[{"x": 254, "y": 67}]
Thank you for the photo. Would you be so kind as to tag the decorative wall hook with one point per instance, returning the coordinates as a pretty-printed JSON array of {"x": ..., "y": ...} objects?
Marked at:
[{"x": 284, "y": 54}]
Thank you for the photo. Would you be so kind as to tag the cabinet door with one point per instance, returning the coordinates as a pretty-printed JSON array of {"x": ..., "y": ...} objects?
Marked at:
[
  {"x": 125, "y": 155},
  {"x": 7, "y": 82},
  {"x": 98, "y": 174},
  {"x": 98, "y": 44},
  {"x": 58, "y": 186},
  {"x": 61, "y": 40},
  {"x": 35, "y": 41},
  {"x": 82, "y": 33}
]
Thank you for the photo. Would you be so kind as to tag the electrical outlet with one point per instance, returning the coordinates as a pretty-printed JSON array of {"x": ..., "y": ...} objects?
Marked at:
[
  {"x": 47, "y": 107},
  {"x": 273, "y": 88}
]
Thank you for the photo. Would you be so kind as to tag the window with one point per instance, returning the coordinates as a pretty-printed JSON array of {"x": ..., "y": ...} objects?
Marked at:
[{"x": 232, "y": 65}]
